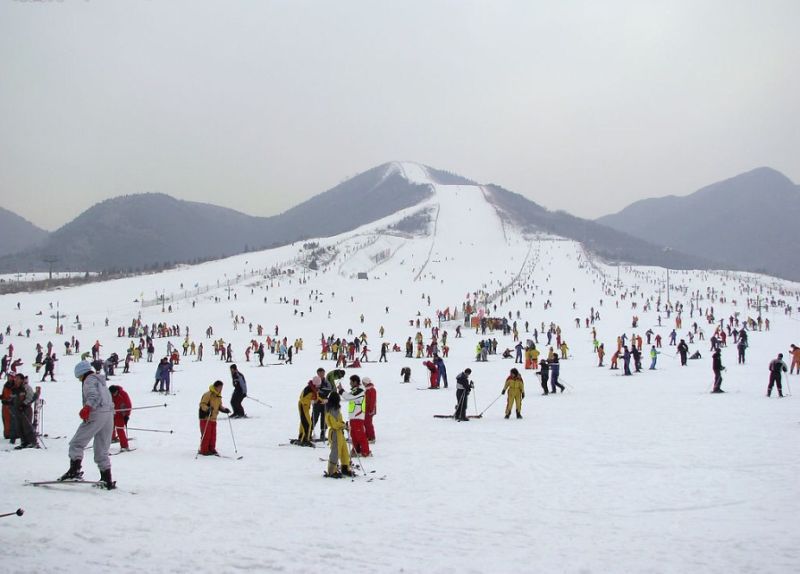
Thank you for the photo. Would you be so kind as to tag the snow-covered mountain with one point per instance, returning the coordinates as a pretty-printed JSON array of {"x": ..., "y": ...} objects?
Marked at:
[
  {"x": 150, "y": 231},
  {"x": 615, "y": 474},
  {"x": 146, "y": 231}
]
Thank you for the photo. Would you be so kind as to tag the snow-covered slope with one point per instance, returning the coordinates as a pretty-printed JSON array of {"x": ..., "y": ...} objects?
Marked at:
[{"x": 648, "y": 473}]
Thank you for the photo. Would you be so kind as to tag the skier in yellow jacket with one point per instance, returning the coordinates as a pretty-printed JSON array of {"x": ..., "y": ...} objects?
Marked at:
[
  {"x": 308, "y": 396},
  {"x": 339, "y": 449},
  {"x": 516, "y": 392}
]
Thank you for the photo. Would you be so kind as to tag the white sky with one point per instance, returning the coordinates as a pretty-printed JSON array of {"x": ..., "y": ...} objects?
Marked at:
[{"x": 582, "y": 106}]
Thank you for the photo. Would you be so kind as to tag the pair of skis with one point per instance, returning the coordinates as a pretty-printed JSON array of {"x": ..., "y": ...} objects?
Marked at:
[{"x": 357, "y": 467}]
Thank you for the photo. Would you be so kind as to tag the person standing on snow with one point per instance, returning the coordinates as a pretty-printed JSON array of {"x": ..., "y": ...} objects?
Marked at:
[
  {"x": 463, "y": 387},
  {"x": 97, "y": 415},
  {"x": 355, "y": 410},
  {"x": 653, "y": 357},
  {"x": 795, "y": 358},
  {"x": 371, "y": 408},
  {"x": 163, "y": 371},
  {"x": 434, "y": 374},
  {"x": 324, "y": 389},
  {"x": 683, "y": 351},
  {"x": 441, "y": 371},
  {"x": 122, "y": 413},
  {"x": 23, "y": 399},
  {"x": 516, "y": 392},
  {"x": 308, "y": 396},
  {"x": 336, "y": 428},
  {"x": 741, "y": 347},
  {"x": 716, "y": 366},
  {"x": 239, "y": 393},
  {"x": 776, "y": 367},
  {"x": 544, "y": 373},
  {"x": 555, "y": 369},
  {"x": 210, "y": 407}
]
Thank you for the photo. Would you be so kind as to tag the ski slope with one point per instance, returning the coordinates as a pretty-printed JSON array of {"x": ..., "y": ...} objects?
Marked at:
[{"x": 648, "y": 473}]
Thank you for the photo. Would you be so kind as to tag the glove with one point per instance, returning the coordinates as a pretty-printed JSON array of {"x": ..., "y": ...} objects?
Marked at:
[
  {"x": 523, "y": 395},
  {"x": 84, "y": 412},
  {"x": 225, "y": 410},
  {"x": 126, "y": 419},
  {"x": 503, "y": 392}
]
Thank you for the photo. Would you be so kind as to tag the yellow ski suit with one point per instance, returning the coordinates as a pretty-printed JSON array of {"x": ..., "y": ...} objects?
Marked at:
[
  {"x": 339, "y": 449},
  {"x": 516, "y": 392},
  {"x": 307, "y": 397}
]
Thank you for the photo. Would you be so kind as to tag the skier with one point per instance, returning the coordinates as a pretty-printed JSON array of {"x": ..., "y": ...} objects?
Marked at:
[
  {"x": 336, "y": 427},
  {"x": 683, "y": 351},
  {"x": 308, "y": 396},
  {"x": 23, "y": 399},
  {"x": 371, "y": 408},
  {"x": 776, "y": 367},
  {"x": 441, "y": 371},
  {"x": 795, "y": 358},
  {"x": 49, "y": 367},
  {"x": 463, "y": 387},
  {"x": 741, "y": 346},
  {"x": 239, "y": 393},
  {"x": 97, "y": 415},
  {"x": 163, "y": 371},
  {"x": 716, "y": 366},
  {"x": 355, "y": 411},
  {"x": 318, "y": 408},
  {"x": 122, "y": 413},
  {"x": 405, "y": 372},
  {"x": 516, "y": 392},
  {"x": 626, "y": 360},
  {"x": 434, "y": 374},
  {"x": 555, "y": 368},
  {"x": 653, "y": 357},
  {"x": 210, "y": 407},
  {"x": 544, "y": 373}
]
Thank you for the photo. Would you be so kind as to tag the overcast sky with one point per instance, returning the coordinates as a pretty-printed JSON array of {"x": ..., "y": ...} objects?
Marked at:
[{"x": 581, "y": 106}]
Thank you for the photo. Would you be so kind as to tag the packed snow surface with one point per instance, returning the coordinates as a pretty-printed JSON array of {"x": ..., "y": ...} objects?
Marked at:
[{"x": 648, "y": 473}]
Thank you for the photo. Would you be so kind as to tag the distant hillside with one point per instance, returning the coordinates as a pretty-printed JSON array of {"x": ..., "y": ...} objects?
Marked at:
[
  {"x": 148, "y": 231},
  {"x": 17, "y": 233},
  {"x": 748, "y": 222},
  {"x": 606, "y": 242}
]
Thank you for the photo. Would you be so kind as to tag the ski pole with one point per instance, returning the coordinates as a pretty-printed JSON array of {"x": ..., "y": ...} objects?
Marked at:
[
  {"x": 131, "y": 409},
  {"x": 458, "y": 406},
  {"x": 233, "y": 438},
  {"x": 474, "y": 398},
  {"x": 17, "y": 512},
  {"x": 140, "y": 408},
  {"x": 256, "y": 400},
  {"x": 147, "y": 430},
  {"x": 490, "y": 404},
  {"x": 355, "y": 450}
]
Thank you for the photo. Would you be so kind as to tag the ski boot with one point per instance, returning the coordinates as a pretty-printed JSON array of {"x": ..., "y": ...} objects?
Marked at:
[
  {"x": 519, "y": 415},
  {"x": 346, "y": 471},
  {"x": 105, "y": 479},
  {"x": 74, "y": 472},
  {"x": 333, "y": 471}
]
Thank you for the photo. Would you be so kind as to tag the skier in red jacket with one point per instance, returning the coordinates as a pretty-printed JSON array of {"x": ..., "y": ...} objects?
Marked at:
[
  {"x": 434, "y": 374},
  {"x": 122, "y": 412},
  {"x": 370, "y": 408}
]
